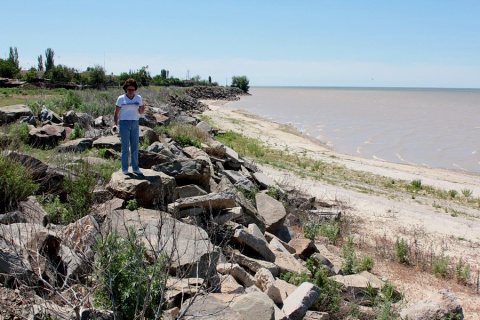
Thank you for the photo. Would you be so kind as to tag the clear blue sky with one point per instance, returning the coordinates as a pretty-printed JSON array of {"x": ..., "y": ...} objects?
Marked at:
[{"x": 422, "y": 43}]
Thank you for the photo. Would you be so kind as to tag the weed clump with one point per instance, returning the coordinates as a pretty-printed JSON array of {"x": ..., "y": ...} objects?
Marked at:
[{"x": 16, "y": 183}]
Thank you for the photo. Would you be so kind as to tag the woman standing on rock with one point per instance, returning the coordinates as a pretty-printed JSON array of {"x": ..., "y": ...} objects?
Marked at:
[{"x": 128, "y": 108}]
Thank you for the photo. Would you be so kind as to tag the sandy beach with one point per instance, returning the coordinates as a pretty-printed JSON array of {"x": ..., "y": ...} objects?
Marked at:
[{"x": 382, "y": 215}]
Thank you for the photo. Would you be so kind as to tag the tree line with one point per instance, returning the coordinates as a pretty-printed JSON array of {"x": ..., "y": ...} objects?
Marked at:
[{"x": 96, "y": 76}]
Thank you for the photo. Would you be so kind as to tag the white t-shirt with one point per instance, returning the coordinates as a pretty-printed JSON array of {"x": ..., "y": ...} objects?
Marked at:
[{"x": 129, "y": 108}]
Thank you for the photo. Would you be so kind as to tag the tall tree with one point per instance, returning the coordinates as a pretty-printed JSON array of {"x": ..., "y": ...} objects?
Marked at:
[
  {"x": 164, "y": 73},
  {"x": 40, "y": 63},
  {"x": 13, "y": 57},
  {"x": 49, "y": 62},
  {"x": 97, "y": 77},
  {"x": 241, "y": 82}
]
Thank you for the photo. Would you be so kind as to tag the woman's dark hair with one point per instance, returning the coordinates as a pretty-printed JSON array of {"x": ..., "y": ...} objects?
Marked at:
[{"x": 130, "y": 82}]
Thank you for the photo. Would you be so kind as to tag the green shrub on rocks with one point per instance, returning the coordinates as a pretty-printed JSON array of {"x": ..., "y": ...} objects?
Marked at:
[
  {"x": 16, "y": 183},
  {"x": 128, "y": 285}
]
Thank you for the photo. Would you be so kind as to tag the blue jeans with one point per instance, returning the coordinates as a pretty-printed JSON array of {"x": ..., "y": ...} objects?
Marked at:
[{"x": 129, "y": 136}]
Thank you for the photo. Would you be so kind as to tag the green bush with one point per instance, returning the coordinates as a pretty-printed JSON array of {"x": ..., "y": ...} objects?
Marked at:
[
  {"x": 186, "y": 134},
  {"x": 401, "y": 251},
  {"x": 311, "y": 230},
  {"x": 440, "y": 265},
  {"x": 132, "y": 205},
  {"x": 366, "y": 264},
  {"x": 330, "y": 298},
  {"x": 462, "y": 271},
  {"x": 452, "y": 193},
  {"x": 350, "y": 258},
  {"x": 331, "y": 230},
  {"x": 77, "y": 132},
  {"x": 55, "y": 209},
  {"x": 16, "y": 183},
  {"x": 249, "y": 194},
  {"x": 126, "y": 281},
  {"x": 295, "y": 278},
  {"x": 79, "y": 188},
  {"x": 18, "y": 131}
]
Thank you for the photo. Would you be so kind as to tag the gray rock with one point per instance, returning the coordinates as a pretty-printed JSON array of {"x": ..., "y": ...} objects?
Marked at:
[
  {"x": 228, "y": 284},
  {"x": 266, "y": 282},
  {"x": 239, "y": 180},
  {"x": 285, "y": 288},
  {"x": 441, "y": 305},
  {"x": 188, "y": 247},
  {"x": 204, "y": 127},
  {"x": 208, "y": 308},
  {"x": 147, "y": 135},
  {"x": 148, "y": 159},
  {"x": 296, "y": 305},
  {"x": 108, "y": 142},
  {"x": 187, "y": 191},
  {"x": 287, "y": 263},
  {"x": 233, "y": 269},
  {"x": 151, "y": 190},
  {"x": 251, "y": 214},
  {"x": 254, "y": 241},
  {"x": 230, "y": 214},
  {"x": 263, "y": 180},
  {"x": 77, "y": 145},
  {"x": 254, "y": 264},
  {"x": 271, "y": 210},
  {"x": 254, "y": 305},
  {"x": 210, "y": 203},
  {"x": 47, "y": 136},
  {"x": 13, "y": 113},
  {"x": 187, "y": 171},
  {"x": 85, "y": 120}
]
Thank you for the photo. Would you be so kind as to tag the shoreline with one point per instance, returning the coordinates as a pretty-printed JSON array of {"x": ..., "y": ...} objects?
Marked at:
[
  {"x": 380, "y": 215},
  {"x": 280, "y": 136}
]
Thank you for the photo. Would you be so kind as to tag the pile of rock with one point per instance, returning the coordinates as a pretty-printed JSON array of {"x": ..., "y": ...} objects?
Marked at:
[
  {"x": 216, "y": 93},
  {"x": 226, "y": 251}
]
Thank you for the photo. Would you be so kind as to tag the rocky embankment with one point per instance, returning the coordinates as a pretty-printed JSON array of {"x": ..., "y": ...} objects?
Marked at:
[{"x": 222, "y": 229}]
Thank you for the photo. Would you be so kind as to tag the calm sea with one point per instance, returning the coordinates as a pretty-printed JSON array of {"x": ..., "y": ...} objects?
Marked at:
[{"x": 431, "y": 127}]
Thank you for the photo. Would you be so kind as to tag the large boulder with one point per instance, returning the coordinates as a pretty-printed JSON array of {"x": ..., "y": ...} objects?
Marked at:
[
  {"x": 441, "y": 305},
  {"x": 271, "y": 210},
  {"x": 153, "y": 189},
  {"x": 253, "y": 264},
  {"x": 187, "y": 171},
  {"x": 254, "y": 305},
  {"x": 207, "y": 308},
  {"x": 148, "y": 159},
  {"x": 77, "y": 145},
  {"x": 253, "y": 240},
  {"x": 14, "y": 113},
  {"x": 108, "y": 142},
  {"x": 251, "y": 214},
  {"x": 237, "y": 272},
  {"x": 266, "y": 282},
  {"x": 188, "y": 247},
  {"x": 211, "y": 203},
  {"x": 47, "y": 136},
  {"x": 296, "y": 305}
]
